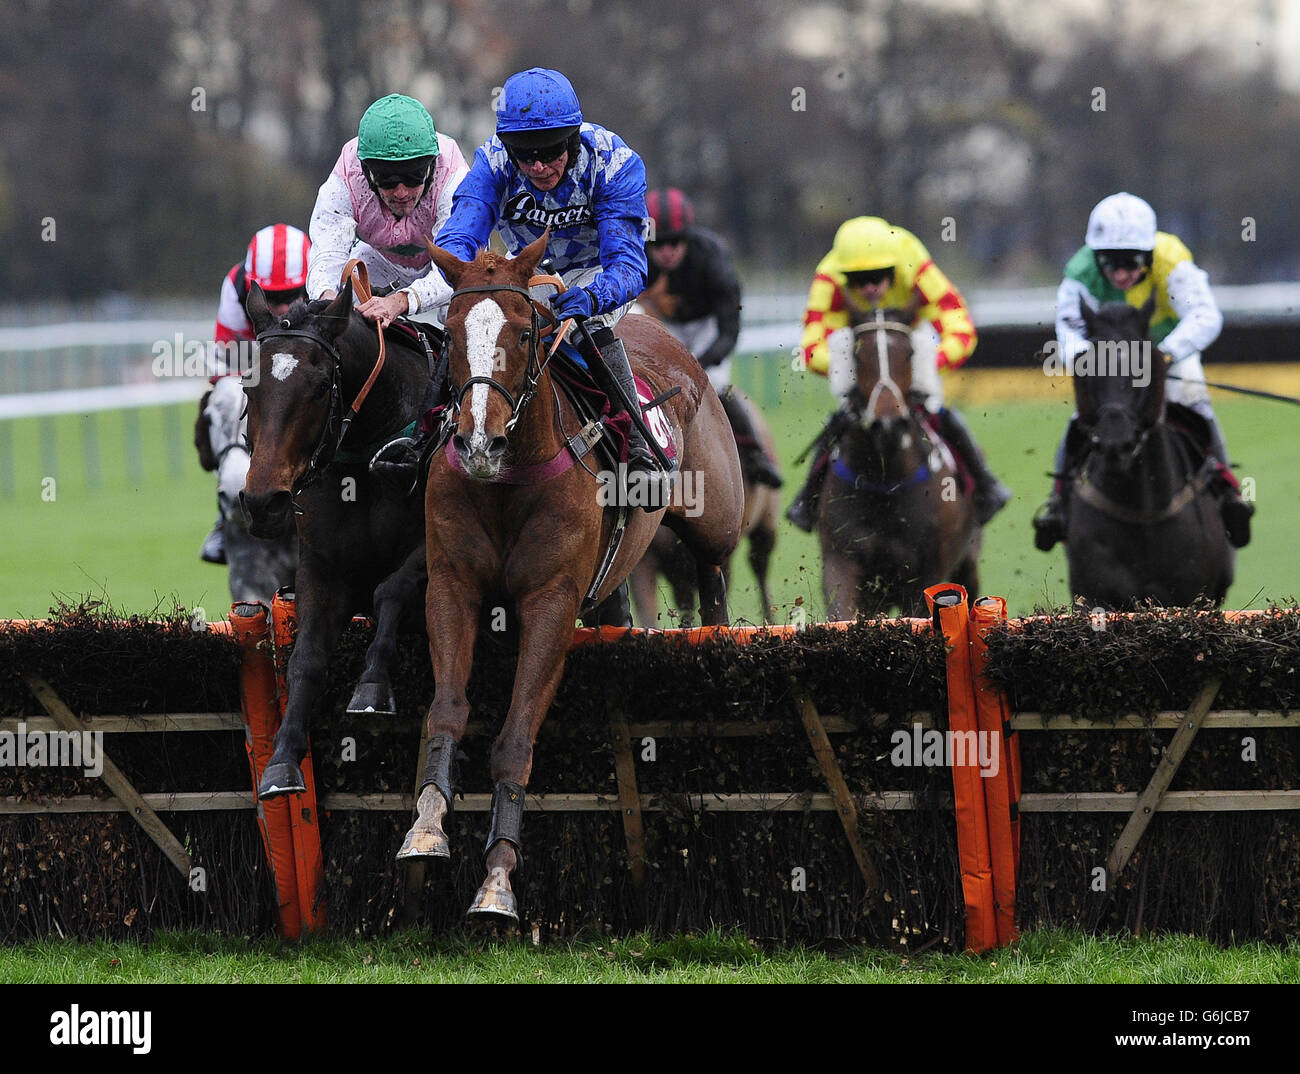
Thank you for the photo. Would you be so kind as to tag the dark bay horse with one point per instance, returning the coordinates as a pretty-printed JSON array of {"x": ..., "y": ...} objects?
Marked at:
[
  {"x": 360, "y": 545},
  {"x": 511, "y": 520},
  {"x": 669, "y": 557},
  {"x": 894, "y": 517},
  {"x": 1141, "y": 522}
]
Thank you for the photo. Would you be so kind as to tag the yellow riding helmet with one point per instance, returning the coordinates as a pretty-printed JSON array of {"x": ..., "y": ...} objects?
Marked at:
[{"x": 865, "y": 243}]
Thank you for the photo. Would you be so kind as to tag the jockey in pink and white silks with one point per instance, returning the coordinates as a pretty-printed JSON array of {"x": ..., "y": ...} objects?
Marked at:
[
  {"x": 390, "y": 190},
  {"x": 277, "y": 262},
  {"x": 1125, "y": 259}
]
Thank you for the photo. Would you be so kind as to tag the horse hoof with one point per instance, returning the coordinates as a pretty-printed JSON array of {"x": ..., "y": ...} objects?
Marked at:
[
  {"x": 281, "y": 778},
  {"x": 495, "y": 902},
  {"x": 424, "y": 843},
  {"x": 373, "y": 698}
]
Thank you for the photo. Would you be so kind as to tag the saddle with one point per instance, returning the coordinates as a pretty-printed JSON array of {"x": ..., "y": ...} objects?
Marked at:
[{"x": 933, "y": 425}]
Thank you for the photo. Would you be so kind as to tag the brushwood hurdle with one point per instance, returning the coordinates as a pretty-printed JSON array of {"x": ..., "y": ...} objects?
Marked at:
[{"x": 888, "y": 799}]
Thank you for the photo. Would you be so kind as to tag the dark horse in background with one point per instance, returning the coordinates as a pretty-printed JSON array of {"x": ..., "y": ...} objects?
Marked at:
[
  {"x": 667, "y": 555},
  {"x": 894, "y": 515},
  {"x": 1142, "y": 522},
  {"x": 510, "y": 520},
  {"x": 360, "y": 545}
]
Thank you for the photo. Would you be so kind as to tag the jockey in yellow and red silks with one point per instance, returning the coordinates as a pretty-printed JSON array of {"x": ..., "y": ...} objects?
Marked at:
[{"x": 874, "y": 264}]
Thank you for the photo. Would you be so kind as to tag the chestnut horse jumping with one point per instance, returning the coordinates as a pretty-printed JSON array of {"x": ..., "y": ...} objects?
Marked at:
[{"x": 511, "y": 519}]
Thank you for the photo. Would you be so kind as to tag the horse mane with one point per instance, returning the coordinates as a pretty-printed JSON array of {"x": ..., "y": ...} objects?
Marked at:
[{"x": 359, "y": 332}]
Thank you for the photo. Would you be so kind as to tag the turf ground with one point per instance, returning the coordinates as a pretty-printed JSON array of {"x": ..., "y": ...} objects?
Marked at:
[
  {"x": 128, "y": 506},
  {"x": 1041, "y": 956}
]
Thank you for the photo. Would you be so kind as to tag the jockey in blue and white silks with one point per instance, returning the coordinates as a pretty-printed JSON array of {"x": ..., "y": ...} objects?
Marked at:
[
  {"x": 547, "y": 168},
  {"x": 596, "y": 214}
]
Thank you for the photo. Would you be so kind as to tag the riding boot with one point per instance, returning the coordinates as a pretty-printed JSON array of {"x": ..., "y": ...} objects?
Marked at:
[
  {"x": 757, "y": 463},
  {"x": 803, "y": 511},
  {"x": 990, "y": 494},
  {"x": 611, "y": 364},
  {"x": 613, "y": 375},
  {"x": 1235, "y": 511},
  {"x": 1049, "y": 522},
  {"x": 214, "y": 545},
  {"x": 397, "y": 463}
]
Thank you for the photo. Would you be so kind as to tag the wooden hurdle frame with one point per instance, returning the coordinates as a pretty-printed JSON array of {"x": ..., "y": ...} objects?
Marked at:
[{"x": 988, "y": 839}]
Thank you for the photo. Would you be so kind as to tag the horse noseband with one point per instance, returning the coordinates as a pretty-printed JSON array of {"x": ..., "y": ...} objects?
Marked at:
[{"x": 532, "y": 371}]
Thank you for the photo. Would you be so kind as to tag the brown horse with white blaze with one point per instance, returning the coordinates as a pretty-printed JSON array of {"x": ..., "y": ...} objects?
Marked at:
[
  {"x": 893, "y": 518},
  {"x": 510, "y": 520}
]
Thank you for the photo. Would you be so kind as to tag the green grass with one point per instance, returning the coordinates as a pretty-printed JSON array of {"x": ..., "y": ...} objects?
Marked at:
[
  {"x": 1046, "y": 956},
  {"x": 133, "y": 542}
]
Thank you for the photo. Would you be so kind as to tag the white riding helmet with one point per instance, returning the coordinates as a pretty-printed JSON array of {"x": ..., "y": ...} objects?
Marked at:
[{"x": 1122, "y": 222}]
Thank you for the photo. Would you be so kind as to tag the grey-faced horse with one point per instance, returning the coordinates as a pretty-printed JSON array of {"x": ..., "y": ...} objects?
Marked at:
[{"x": 257, "y": 566}]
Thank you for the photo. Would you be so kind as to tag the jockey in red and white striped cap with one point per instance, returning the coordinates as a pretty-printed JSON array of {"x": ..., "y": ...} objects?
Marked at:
[{"x": 277, "y": 262}]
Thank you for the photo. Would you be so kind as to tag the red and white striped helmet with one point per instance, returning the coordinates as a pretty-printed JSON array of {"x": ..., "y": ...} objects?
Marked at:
[
  {"x": 671, "y": 211},
  {"x": 277, "y": 258}
]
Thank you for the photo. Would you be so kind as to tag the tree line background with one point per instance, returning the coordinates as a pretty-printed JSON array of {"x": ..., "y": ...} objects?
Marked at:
[{"x": 142, "y": 142}]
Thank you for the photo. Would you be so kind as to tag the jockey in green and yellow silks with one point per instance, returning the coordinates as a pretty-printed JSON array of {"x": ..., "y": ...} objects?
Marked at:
[
  {"x": 1126, "y": 259},
  {"x": 874, "y": 264}
]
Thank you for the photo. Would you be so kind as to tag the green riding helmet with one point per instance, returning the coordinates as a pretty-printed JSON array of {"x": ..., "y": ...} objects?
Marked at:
[{"x": 396, "y": 127}]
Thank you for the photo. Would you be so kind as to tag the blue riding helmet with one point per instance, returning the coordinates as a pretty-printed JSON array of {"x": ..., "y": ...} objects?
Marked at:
[{"x": 536, "y": 108}]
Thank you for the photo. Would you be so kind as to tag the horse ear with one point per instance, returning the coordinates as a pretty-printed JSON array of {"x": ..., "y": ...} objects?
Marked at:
[
  {"x": 1148, "y": 308},
  {"x": 448, "y": 264},
  {"x": 1089, "y": 316},
  {"x": 531, "y": 255},
  {"x": 913, "y": 306},
  {"x": 339, "y": 312},
  {"x": 259, "y": 313}
]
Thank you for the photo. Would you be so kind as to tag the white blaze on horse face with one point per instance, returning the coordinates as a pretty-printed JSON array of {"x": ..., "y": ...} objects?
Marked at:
[
  {"x": 885, "y": 381},
  {"x": 282, "y": 365},
  {"x": 483, "y": 325}
]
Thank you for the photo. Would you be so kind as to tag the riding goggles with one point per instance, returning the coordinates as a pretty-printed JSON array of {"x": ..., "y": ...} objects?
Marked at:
[
  {"x": 390, "y": 180},
  {"x": 868, "y": 277},
  {"x": 542, "y": 154},
  {"x": 1122, "y": 260}
]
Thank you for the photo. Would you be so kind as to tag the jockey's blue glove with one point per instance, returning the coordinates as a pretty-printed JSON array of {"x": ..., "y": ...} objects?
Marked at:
[{"x": 576, "y": 302}]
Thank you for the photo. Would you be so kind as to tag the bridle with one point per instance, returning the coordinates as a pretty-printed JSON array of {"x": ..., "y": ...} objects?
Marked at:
[
  {"x": 536, "y": 364},
  {"x": 884, "y": 383},
  {"x": 328, "y": 445},
  {"x": 1144, "y": 430}
]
